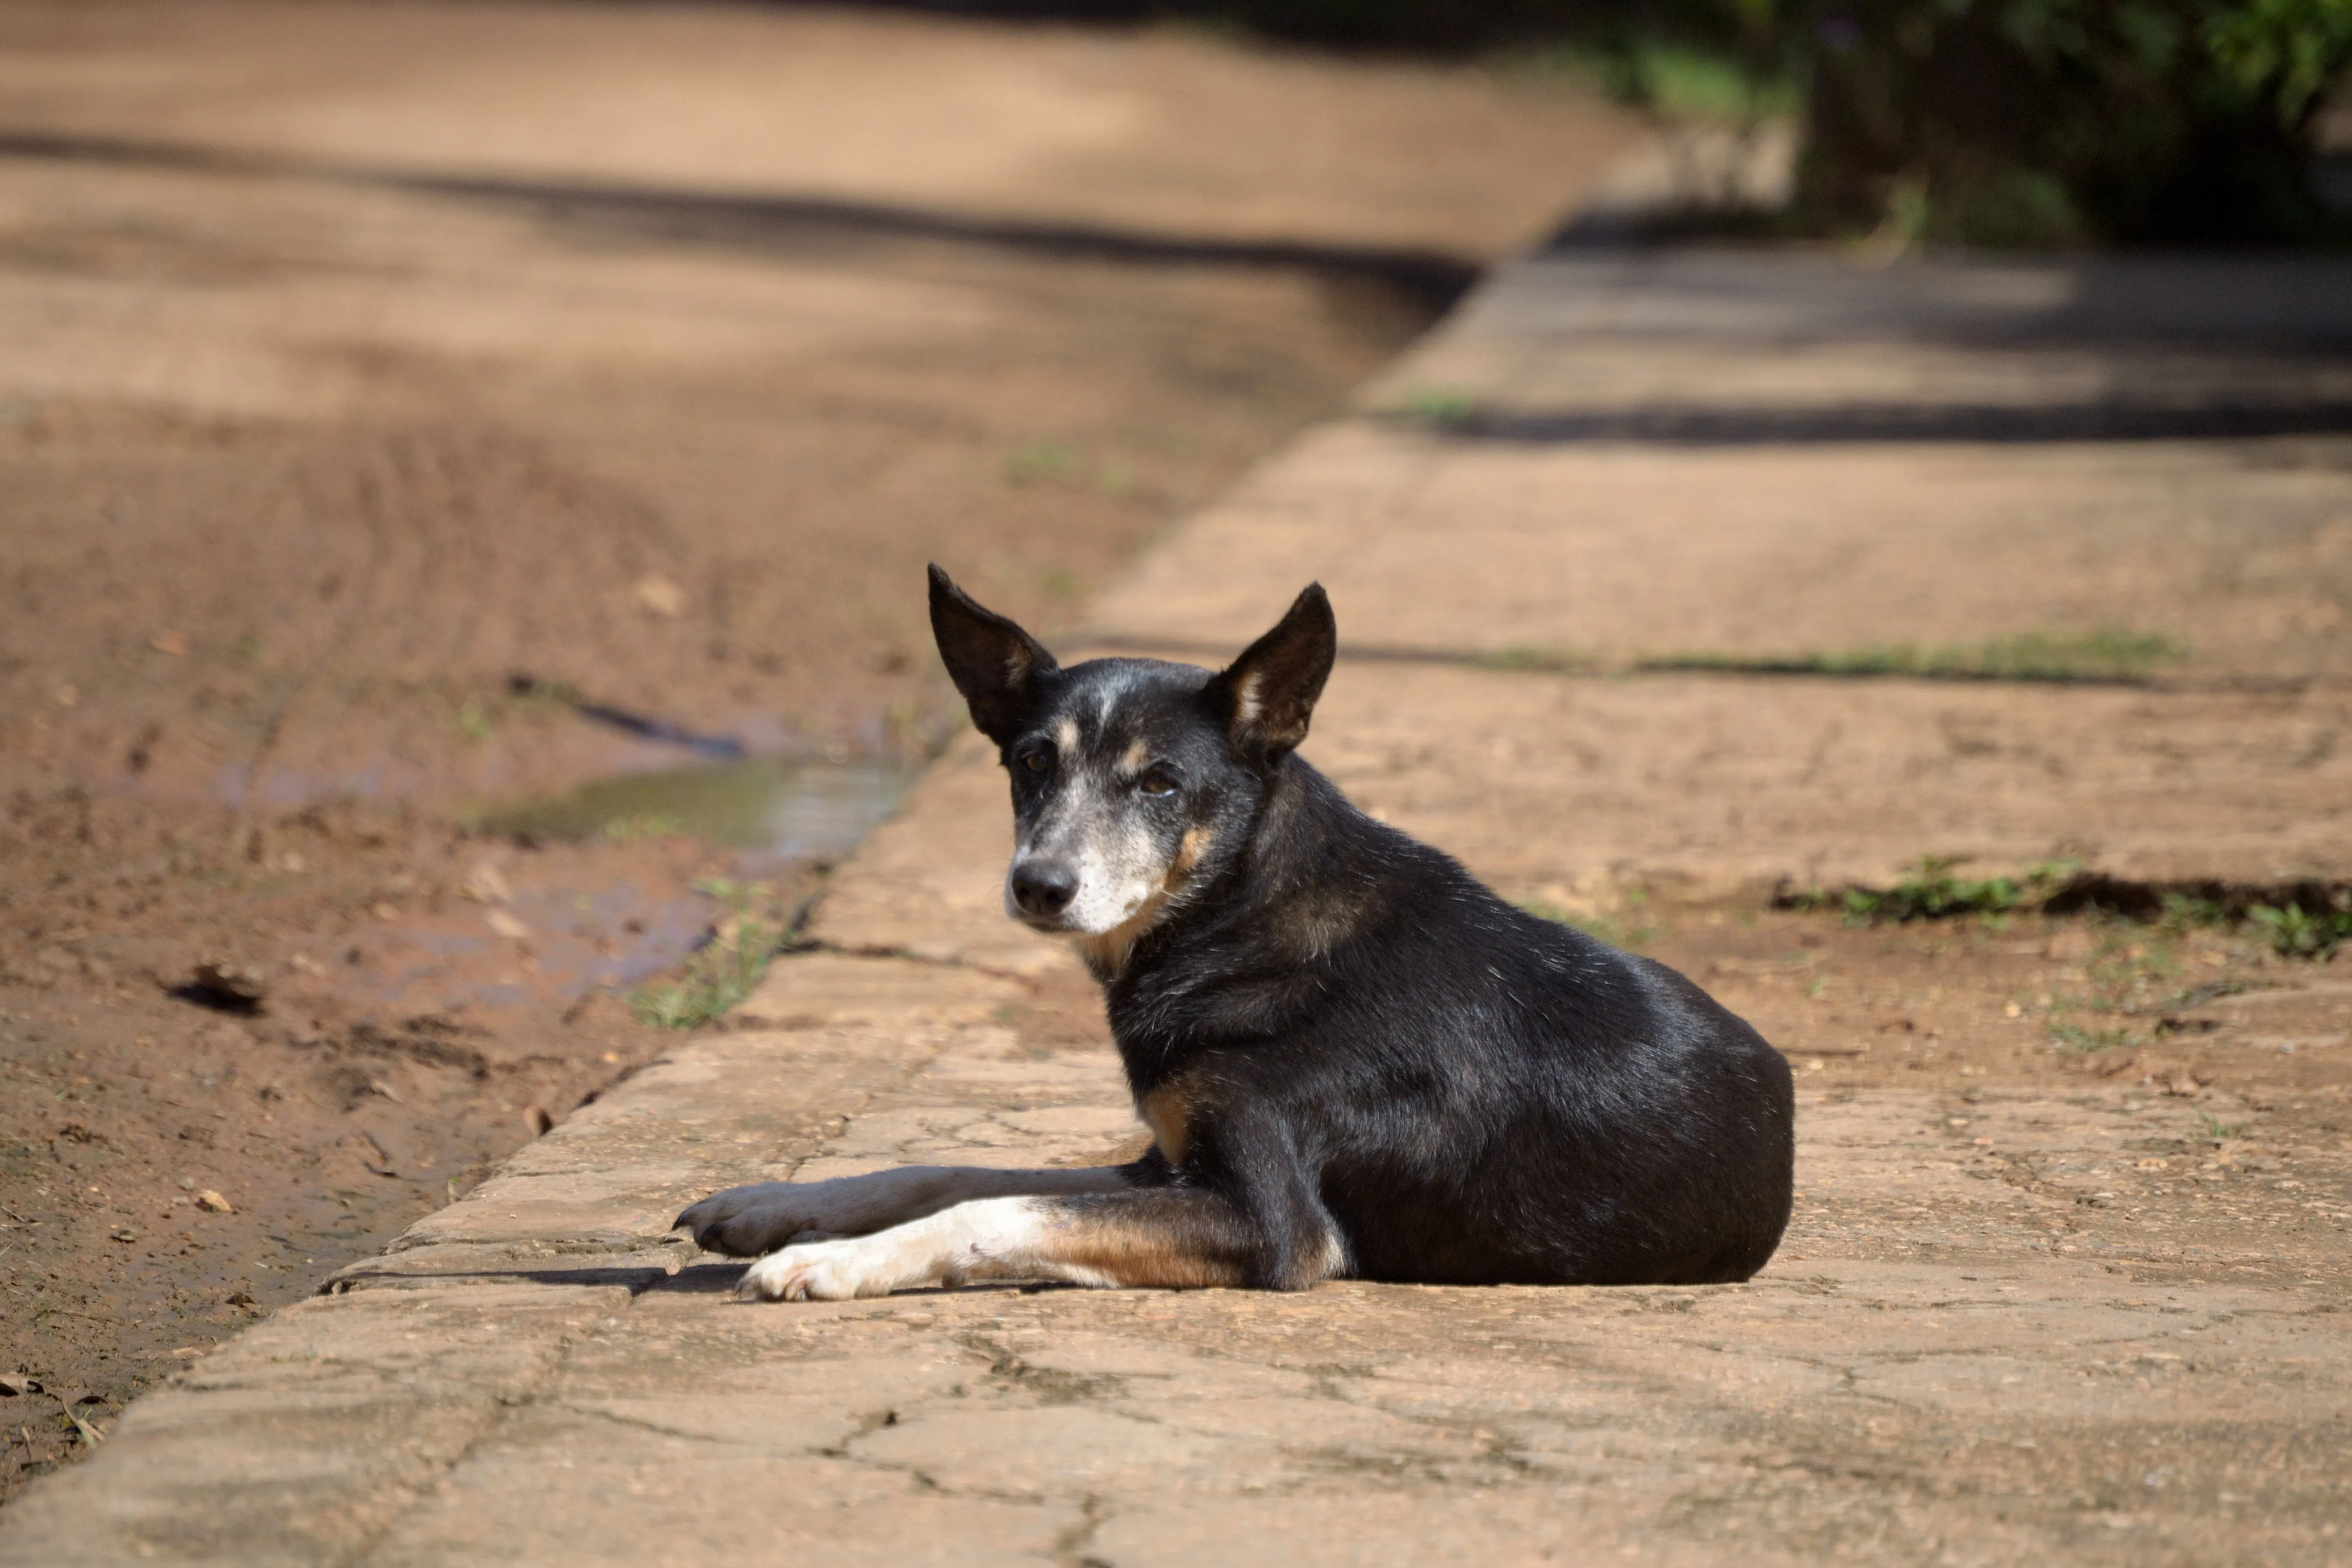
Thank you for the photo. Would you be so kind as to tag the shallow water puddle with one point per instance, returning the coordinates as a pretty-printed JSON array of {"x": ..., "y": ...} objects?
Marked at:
[{"x": 789, "y": 810}]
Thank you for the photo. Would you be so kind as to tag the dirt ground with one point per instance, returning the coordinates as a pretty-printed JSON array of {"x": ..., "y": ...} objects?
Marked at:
[{"x": 386, "y": 383}]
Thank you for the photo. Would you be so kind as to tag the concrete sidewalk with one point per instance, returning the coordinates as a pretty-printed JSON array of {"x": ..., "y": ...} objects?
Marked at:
[{"x": 1996, "y": 1333}]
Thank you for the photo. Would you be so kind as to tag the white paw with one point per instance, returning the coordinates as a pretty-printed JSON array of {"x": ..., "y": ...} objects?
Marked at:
[{"x": 822, "y": 1271}]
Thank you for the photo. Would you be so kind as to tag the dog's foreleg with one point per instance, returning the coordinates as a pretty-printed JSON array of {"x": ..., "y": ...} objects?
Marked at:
[
  {"x": 1179, "y": 1237},
  {"x": 745, "y": 1222}
]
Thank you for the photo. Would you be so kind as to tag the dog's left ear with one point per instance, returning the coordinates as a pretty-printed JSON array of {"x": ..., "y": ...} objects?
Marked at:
[
  {"x": 1265, "y": 697},
  {"x": 995, "y": 664}
]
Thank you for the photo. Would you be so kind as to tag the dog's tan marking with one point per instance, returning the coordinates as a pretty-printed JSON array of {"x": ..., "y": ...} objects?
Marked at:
[
  {"x": 1311, "y": 926},
  {"x": 1131, "y": 761},
  {"x": 1143, "y": 1255},
  {"x": 1106, "y": 953},
  {"x": 1189, "y": 850},
  {"x": 1066, "y": 734},
  {"x": 1168, "y": 1112}
]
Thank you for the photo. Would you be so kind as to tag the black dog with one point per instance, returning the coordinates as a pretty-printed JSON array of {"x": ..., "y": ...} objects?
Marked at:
[{"x": 1354, "y": 1059}]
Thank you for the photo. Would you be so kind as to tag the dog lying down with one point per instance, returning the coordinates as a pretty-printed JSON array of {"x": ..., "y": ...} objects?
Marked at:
[{"x": 1354, "y": 1059}]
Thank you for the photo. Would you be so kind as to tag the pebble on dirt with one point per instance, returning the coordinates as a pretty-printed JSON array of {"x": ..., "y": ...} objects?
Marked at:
[{"x": 225, "y": 984}]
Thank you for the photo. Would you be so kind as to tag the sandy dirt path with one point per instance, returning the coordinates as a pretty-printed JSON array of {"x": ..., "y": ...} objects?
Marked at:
[{"x": 388, "y": 385}]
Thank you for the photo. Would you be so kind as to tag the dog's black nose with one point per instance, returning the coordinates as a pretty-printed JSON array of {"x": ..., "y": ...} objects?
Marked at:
[{"x": 1044, "y": 888}]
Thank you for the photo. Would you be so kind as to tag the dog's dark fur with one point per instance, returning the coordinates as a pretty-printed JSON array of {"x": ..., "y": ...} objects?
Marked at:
[{"x": 1354, "y": 1058}]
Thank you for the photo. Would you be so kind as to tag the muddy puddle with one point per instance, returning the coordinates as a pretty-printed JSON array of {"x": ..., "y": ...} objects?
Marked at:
[
  {"x": 583, "y": 908},
  {"x": 770, "y": 808}
]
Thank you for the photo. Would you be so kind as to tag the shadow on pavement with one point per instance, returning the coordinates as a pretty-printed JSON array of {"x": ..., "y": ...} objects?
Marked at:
[
  {"x": 2108, "y": 420},
  {"x": 1428, "y": 279},
  {"x": 695, "y": 1280}
]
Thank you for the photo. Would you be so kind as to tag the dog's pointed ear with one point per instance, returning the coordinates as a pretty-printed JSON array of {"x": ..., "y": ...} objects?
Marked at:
[
  {"x": 995, "y": 663},
  {"x": 1265, "y": 697}
]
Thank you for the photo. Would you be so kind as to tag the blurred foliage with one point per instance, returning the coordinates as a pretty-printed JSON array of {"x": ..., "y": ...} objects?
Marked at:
[
  {"x": 2039, "y": 122},
  {"x": 1986, "y": 122}
]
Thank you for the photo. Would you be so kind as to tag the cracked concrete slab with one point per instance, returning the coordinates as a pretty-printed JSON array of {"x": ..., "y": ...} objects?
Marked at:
[{"x": 1635, "y": 455}]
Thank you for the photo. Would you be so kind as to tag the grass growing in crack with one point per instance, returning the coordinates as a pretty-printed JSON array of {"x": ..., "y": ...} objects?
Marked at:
[
  {"x": 1447, "y": 408},
  {"x": 2218, "y": 1130},
  {"x": 1534, "y": 658},
  {"x": 2075, "y": 1037},
  {"x": 722, "y": 972},
  {"x": 2292, "y": 933},
  {"x": 1932, "y": 892},
  {"x": 2105, "y": 654},
  {"x": 2179, "y": 914}
]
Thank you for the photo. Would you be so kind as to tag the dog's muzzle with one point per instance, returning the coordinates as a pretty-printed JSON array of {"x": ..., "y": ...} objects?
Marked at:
[{"x": 1042, "y": 888}]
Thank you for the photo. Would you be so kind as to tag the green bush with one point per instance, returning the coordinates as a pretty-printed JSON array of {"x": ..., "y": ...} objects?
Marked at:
[
  {"x": 1991, "y": 121},
  {"x": 2030, "y": 121}
]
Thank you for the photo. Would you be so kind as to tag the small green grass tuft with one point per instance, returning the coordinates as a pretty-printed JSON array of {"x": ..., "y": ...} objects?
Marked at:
[
  {"x": 2178, "y": 914},
  {"x": 1932, "y": 892},
  {"x": 2292, "y": 933},
  {"x": 724, "y": 971},
  {"x": 2218, "y": 1130},
  {"x": 473, "y": 720},
  {"x": 1447, "y": 407},
  {"x": 2076, "y": 1038}
]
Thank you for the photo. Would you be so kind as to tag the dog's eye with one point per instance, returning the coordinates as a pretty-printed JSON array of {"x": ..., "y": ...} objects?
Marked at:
[
  {"x": 1039, "y": 760},
  {"x": 1157, "y": 785}
]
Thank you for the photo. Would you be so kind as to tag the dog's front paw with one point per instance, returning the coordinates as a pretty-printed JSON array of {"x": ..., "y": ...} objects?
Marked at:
[
  {"x": 824, "y": 1272},
  {"x": 744, "y": 1221}
]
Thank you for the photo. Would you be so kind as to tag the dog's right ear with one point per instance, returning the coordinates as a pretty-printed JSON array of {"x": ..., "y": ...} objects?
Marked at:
[
  {"x": 993, "y": 662},
  {"x": 1265, "y": 697}
]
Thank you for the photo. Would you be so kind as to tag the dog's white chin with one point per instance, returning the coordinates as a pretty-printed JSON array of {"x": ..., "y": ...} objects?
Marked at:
[
  {"x": 1086, "y": 915},
  {"x": 1106, "y": 917}
]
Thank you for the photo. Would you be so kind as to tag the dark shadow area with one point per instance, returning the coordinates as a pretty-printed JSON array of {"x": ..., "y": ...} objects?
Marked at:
[
  {"x": 1863, "y": 423},
  {"x": 642, "y": 726},
  {"x": 2102, "y": 892},
  {"x": 1570, "y": 664},
  {"x": 1427, "y": 281},
  {"x": 694, "y": 1279},
  {"x": 215, "y": 1001},
  {"x": 2183, "y": 346},
  {"x": 2274, "y": 305},
  {"x": 1445, "y": 27}
]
